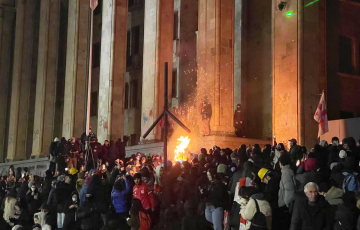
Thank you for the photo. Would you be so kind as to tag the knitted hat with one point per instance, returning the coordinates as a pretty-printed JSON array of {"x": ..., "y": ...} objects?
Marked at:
[
  {"x": 342, "y": 154},
  {"x": 221, "y": 168},
  {"x": 311, "y": 164}
]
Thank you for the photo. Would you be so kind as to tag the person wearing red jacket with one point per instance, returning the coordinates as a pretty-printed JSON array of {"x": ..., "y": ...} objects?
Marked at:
[{"x": 141, "y": 191}]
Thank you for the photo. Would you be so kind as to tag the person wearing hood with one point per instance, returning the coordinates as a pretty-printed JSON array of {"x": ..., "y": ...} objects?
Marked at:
[
  {"x": 311, "y": 212},
  {"x": 33, "y": 198},
  {"x": 120, "y": 194},
  {"x": 9, "y": 206},
  {"x": 248, "y": 170},
  {"x": 71, "y": 207},
  {"x": 286, "y": 190},
  {"x": 248, "y": 212},
  {"x": 350, "y": 181},
  {"x": 96, "y": 196},
  {"x": 46, "y": 185}
]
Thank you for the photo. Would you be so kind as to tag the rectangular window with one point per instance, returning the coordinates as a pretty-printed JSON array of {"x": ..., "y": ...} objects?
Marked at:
[
  {"x": 136, "y": 39},
  {"x": 96, "y": 55},
  {"x": 133, "y": 93},
  {"x": 128, "y": 50},
  {"x": 94, "y": 104},
  {"x": 126, "y": 106},
  {"x": 174, "y": 84},
  {"x": 176, "y": 25},
  {"x": 345, "y": 55}
]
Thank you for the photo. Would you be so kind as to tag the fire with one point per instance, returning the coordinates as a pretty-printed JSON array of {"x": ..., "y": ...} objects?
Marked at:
[{"x": 179, "y": 151}]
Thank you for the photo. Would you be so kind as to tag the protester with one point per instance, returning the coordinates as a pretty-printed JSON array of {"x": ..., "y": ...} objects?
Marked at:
[{"x": 217, "y": 189}]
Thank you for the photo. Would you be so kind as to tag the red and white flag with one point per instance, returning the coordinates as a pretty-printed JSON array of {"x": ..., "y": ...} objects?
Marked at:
[
  {"x": 93, "y": 4},
  {"x": 321, "y": 116}
]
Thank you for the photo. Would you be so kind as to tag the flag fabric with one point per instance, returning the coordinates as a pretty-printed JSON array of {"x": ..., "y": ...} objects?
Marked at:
[
  {"x": 93, "y": 4},
  {"x": 321, "y": 116}
]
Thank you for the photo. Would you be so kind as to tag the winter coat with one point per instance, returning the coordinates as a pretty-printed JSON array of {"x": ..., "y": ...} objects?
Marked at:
[
  {"x": 306, "y": 177},
  {"x": 334, "y": 196},
  {"x": 271, "y": 191},
  {"x": 316, "y": 216},
  {"x": 70, "y": 214},
  {"x": 89, "y": 218},
  {"x": 143, "y": 193},
  {"x": 287, "y": 186},
  {"x": 345, "y": 217},
  {"x": 33, "y": 204},
  {"x": 97, "y": 192},
  {"x": 120, "y": 198},
  {"x": 217, "y": 195},
  {"x": 295, "y": 153},
  {"x": 188, "y": 190},
  {"x": 9, "y": 209},
  {"x": 250, "y": 209},
  {"x": 62, "y": 194}
]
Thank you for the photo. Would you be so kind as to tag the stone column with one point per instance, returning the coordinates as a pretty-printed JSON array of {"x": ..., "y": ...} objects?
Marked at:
[
  {"x": 46, "y": 77},
  {"x": 75, "y": 98},
  {"x": 238, "y": 40},
  {"x": 20, "y": 92},
  {"x": 6, "y": 37},
  {"x": 215, "y": 61},
  {"x": 298, "y": 48},
  {"x": 158, "y": 49},
  {"x": 112, "y": 70}
]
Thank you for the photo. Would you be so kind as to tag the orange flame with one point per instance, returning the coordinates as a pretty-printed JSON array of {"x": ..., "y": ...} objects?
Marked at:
[{"x": 179, "y": 151}]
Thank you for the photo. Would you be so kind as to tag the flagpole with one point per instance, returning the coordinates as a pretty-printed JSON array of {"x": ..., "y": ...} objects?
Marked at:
[{"x": 90, "y": 73}]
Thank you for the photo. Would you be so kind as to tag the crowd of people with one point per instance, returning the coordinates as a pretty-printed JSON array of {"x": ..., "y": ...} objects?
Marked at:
[{"x": 220, "y": 188}]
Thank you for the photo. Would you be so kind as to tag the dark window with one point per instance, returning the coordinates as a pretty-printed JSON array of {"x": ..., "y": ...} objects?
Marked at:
[
  {"x": 131, "y": 3},
  {"x": 174, "y": 84},
  {"x": 345, "y": 55},
  {"x": 96, "y": 55},
  {"x": 136, "y": 39},
  {"x": 98, "y": 8},
  {"x": 94, "y": 104},
  {"x": 128, "y": 50},
  {"x": 133, "y": 93},
  {"x": 126, "y": 95},
  {"x": 176, "y": 24}
]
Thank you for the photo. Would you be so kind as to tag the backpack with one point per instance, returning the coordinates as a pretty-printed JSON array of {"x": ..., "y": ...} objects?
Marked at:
[
  {"x": 351, "y": 182},
  {"x": 258, "y": 222}
]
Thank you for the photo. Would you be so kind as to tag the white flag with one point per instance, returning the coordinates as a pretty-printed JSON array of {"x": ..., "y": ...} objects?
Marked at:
[{"x": 321, "y": 116}]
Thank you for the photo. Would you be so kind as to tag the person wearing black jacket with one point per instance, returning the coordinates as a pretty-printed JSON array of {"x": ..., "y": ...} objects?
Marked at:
[
  {"x": 312, "y": 211},
  {"x": 33, "y": 198},
  {"x": 53, "y": 154},
  {"x": 71, "y": 207},
  {"x": 96, "y": 196},
  {"x": 62, "y": 193},
  {"x": 217, "y": 199}
]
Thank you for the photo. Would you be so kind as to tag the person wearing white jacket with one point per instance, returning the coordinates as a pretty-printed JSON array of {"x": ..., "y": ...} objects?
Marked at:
[{"x": 250, "y": 209}]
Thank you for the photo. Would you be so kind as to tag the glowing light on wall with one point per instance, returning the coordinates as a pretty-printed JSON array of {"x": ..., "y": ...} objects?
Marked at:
[
  {"x": 310, "y": 3},
  {"x": 289, "y": 14}
]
